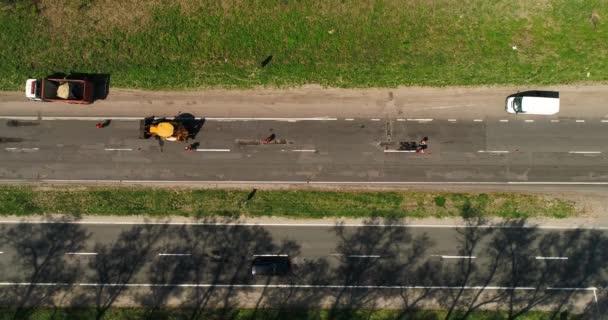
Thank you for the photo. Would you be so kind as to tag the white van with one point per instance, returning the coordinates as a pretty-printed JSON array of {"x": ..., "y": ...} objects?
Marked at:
[{"x": 533, "y": 102}]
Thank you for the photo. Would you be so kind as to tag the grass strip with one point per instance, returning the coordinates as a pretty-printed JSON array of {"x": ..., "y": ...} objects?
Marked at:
[
  {"x": 378, "y": 43},
  {"x": 159, "y": 202},
  {"x": 249, "y": 314}
]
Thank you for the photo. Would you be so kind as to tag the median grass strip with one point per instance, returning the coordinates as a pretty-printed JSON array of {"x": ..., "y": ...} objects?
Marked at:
[
  {"x": 158, "y": 202},
  {"x": 378, "y": 43}
]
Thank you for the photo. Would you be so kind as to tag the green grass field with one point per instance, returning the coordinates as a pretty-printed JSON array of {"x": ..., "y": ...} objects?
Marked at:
[
  {"x": 350, "y": 43},
  {"x": 245, "y": 314},
  {"x": 18, "y": 200}
]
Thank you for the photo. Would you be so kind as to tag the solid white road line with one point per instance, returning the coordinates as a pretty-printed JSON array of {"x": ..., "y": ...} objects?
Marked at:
[
  {"x": 213, "y": 150},
  {"x": 453, "y": 257},
  {"x": 67, "y": 118},
  {"x": 316, "y": 225},
  {"x": 118, "y": 149},
  {"x": 285, "y": 286},
  {"x": 81, "y": 253},
  {"x": 551, "y": 258},
  {"x": 585, "y": 152},
  {"x": 493, "y": 151},
  {"x": 398, "y": 183},
  {"x": 174, "y": 254},
  {"x": 393, "y": 151},
  {"x": 304, "y": 150}
]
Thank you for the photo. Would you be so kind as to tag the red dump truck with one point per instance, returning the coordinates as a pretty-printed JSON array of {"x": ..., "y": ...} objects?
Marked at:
[{"x": 62, "y": 90}]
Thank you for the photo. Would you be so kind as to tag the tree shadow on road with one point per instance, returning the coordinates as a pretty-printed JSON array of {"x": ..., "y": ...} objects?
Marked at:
[{"x": 41, "y": 259}]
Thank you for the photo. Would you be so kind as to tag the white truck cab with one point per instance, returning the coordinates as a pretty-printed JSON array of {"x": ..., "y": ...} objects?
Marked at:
[
  {"x": 32, "y": 89},
  {"x": 533, "y": 102}
]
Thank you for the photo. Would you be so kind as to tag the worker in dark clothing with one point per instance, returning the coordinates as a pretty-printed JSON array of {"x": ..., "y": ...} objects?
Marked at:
[{"x": 422, "y": 145}]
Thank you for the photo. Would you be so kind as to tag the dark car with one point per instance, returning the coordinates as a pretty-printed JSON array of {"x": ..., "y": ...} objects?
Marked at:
[{"x": 270, "y": 265}]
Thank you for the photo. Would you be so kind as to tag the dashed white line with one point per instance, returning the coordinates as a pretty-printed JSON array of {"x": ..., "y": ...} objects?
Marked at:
[
  {"x": 452, "y": 120},
  {"x": 271, "y": 255},
  {"x": 401, "y": 119},
  {"x": 394, "y": 151},
  {"x": 81, "y": 253},
  {"x": 529, "y": 120},
  {"x": 213, "y": 150},
  {"x": 478, "y": 120},
  {"x": 357, "y": 255},
  {"x": 349, "y": 119},
  {"x": 580, "y": 120},
  {"x": 493, "y": 151},
  {"x": 604, "y": 120},
  {"x": 504, "y": 120},
  {"x": 453, "y": 257},
  {"x": 420, "y": 120},
  {"x": 33, "y": 118},
  {"x": 585, "y": 152},
  {"x": 551, "y": 258},
  {"x": 375, "y": 119},
  {"x": 118, "y": 149},
  {"x": 174, "y": 254},
  {"x": 304, "y": 150},
  {"x": 22, "y": 149},
  {"x": 554, "y": 120}
]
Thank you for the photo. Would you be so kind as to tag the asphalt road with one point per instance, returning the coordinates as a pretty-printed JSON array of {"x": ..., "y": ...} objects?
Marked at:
[
  {"x": 340, "y": 150},
  {"x": 537, "y": 266}
]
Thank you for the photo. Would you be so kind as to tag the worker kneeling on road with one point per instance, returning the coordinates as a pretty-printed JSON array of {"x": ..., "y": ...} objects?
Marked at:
[{"x": 422, "y": 145}]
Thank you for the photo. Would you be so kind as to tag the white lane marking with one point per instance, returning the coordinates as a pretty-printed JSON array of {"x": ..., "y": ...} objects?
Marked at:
[
  {"x": 604, "y": 120},
  {"x": 174, "y": 254},
  {"x": 554, "y": 120},
  {"x": 529, "y": 120},
  {"x": 398, "y": 183},
  {"x": 420, "y": 120},
  {"x": 452, "y": 120},
  {"x": 493, "y": 151},
  {"x": 284, "y": 286},
  {"x": 580, "y": 120},
  {"x": 52, "y": 118},
  {"x": 213, "y": 150},
  {"x": 304, "y": 150},
  {"x": 478, "y": 120},
  {"x": 81, "y": 253},
  {"x": 551, "y": 258},
  {"x": 271, "y": 255},
  {"x": 453, "y": 257},
  {"x": 349, "y": 119},
  {"x": 1, "y": 252},
  {"x": 585, "y": 152},
  {"x": 118, "y": 149},
  {"x": 401, "y": 119},
  {"x": 325, "y": 225},
  {"x": 393, "y": 151},
  {"x": 595, "y": 295},
  {"x": 504, "y": 120},
  {"x": 375, "y": 119},
  {"x": 357, "y": 255},
  {"x": 21, "y": 149}
]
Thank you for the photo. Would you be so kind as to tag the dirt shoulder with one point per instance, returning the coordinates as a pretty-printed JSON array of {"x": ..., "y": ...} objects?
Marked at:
[{"x": 314, "y": 101}]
